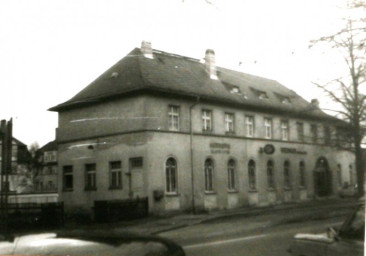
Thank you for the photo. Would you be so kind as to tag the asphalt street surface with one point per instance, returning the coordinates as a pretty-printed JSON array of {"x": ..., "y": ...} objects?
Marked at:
[
  {"x": 268, "y": 234},
  {"x": 273, "y": 241}
]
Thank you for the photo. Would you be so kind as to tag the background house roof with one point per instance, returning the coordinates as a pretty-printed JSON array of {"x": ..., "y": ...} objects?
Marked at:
[
  {"x": 181, "y": 75},
  {"x": 50, "y": 146}
]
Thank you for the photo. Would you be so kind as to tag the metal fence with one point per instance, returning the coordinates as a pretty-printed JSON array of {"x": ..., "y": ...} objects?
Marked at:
[{"x": 119, "y": 210}]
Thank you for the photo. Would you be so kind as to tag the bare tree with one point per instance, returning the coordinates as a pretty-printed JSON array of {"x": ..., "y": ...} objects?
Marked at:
[{"x": 347, "y": 90}]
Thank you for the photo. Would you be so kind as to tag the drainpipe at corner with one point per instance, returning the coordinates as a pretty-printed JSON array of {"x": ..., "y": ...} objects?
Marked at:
[{"x": 191, "y": 151}]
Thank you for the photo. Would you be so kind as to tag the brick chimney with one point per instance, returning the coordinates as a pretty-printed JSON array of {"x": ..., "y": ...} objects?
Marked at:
[
  {"x": 315, "y": 103},
  {"x": 210, "y": 64},
  {"x": 146, "y": 49}
]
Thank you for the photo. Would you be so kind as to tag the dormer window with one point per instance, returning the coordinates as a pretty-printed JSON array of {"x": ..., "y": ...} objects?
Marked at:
[
  {"x": 286, "y": 100},
  {"x": 235, "y": 89},
  {"x": 282, "y": 98},
  {"x": 263, "y": 95},
  {"x": 260, "y": 94}
]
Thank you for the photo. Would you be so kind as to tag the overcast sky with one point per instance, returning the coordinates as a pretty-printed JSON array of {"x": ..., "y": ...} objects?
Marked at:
[{"x": 50, "y": 50}]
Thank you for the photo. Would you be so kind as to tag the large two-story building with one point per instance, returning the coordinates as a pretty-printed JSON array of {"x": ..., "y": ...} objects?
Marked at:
[{"x": 187, "y": 135}]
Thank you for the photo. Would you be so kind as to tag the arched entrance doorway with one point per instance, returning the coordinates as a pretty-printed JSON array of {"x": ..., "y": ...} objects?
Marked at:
[{"x": 322, "y": 178}]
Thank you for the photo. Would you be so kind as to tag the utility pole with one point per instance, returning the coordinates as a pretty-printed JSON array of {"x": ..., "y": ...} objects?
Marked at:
[{"x": 6, "y": 136}]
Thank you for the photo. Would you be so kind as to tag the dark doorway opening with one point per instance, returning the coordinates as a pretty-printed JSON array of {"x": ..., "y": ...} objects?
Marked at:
[{"x": 322, "y": 178}]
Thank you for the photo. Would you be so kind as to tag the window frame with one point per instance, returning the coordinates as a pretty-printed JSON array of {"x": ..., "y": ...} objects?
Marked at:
[
  {"x": 285, "y": 130},
  {"x": 287, "y": 174},
  {"x": 270, "y": 175},
  {"x": 171, "y": 117},
  {"x": 327, "y": 135},
  {"x": 300, "y": 131},
  {"x": 118, "y": 175},
  {"x": 302, "y": 174},
  {"x": 314, "y": 133},
  {"x": 249, "y": 125},
  {"x": 231, "y": 171},
  {"x": 209, "y": 175},
  {"x": 229, "y": 123},
  {"x": 339, "y": 174},
  {"x": 252, "y": 175},
  {"x": 171, "y": 176},
  {"x": 90, "y": 176},
  {"x": 351, "y": 176},
  {"x": 207, "y": 120},
  {"x": 67, "y": 173},
  {"x": 268, "y": 124}
]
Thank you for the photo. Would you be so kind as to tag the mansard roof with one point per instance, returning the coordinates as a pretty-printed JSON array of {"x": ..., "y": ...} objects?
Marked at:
[{"x": 184, "y": 76}]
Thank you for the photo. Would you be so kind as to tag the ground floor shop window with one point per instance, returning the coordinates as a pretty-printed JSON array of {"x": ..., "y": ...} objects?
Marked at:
[
  {"x": 251, "y": 175},
  {"x": 209, "y": 168},
  {"x": 231, "y": 174},
  {"x": 270, "y": 174},
  {"x": 171, "y": 175}
]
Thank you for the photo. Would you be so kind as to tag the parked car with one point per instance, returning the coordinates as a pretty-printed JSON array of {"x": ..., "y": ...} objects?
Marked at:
[
  {"x": 348, "y": 240},
  {"x": 348, "y": 190},
  {"x": 90, "y": 243}
]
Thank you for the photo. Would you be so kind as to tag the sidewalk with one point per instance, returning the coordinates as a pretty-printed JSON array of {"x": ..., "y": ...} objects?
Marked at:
[{"x": 156, "y": 225}]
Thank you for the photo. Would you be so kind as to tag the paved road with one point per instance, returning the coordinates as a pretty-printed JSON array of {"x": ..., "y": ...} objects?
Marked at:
[
  {"x": 274, "y": 241},
  {"x": 257, "y": 235}
]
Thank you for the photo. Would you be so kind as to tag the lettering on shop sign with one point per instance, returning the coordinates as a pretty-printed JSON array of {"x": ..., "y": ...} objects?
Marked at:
[
  {"x": 219, "y": 148},
  {"x": 293, "y": 151}
]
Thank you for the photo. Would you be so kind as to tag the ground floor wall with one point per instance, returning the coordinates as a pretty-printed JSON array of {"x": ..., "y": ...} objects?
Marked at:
[{"x": 214, "y": 172}]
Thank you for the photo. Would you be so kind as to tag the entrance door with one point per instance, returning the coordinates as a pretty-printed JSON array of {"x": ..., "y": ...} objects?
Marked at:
[
  {"x": 322, "y": 178},
  {"x": 136, "y": 182}
]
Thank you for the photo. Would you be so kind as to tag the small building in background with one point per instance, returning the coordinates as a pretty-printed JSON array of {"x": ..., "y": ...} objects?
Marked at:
[
  {"x": 20, "y": 177},
  {"x": 45, "y": 175}
]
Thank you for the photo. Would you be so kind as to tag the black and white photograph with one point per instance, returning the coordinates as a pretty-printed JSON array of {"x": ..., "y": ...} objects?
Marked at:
[{"x": 182, "y": 127}]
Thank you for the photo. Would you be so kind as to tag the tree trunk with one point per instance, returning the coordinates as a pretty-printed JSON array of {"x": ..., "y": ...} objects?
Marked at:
[{"x": 359, "y": 170}]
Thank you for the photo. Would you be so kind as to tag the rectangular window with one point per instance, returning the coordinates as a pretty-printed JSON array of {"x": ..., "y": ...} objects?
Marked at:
[
  {"x": 338, "y": 136},
  {"x": 90, "y": 177},
  {"x": 268, "y": 128},
  {"x": 300, "y": 131},
  {"x": 327, "y": 135},
  {"x": 249, "y": 123},
  {"x": 67, "y": 177},
  {"x": 115, "y": 174},
  {"x": 284, "y": 130},
  {"x": 229, "y": 122},
  {"x": 136, "y": 162},
  {"x": 206, "y": 120},
  {"x": 314, "y": 133},
  {"x": 174, "y": 118}
]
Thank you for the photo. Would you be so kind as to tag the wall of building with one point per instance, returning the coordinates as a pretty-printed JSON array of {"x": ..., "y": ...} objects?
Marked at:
[
  {"x": 139, "y": 127},
  {"x": 102, "y": 152},
  {"x": 108, "y": 118}
]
